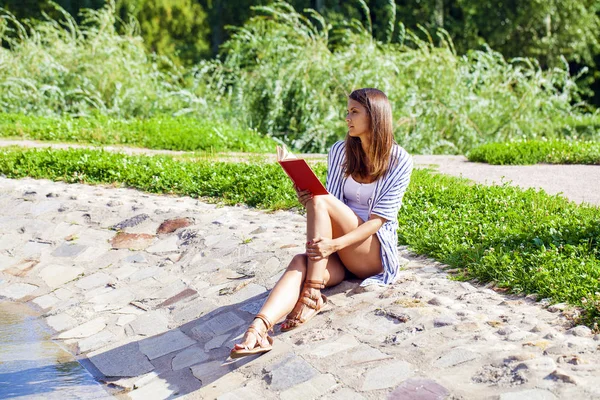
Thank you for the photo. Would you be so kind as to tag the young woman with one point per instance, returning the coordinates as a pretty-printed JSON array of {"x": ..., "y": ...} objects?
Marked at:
[{"x": 351, "y": 229}]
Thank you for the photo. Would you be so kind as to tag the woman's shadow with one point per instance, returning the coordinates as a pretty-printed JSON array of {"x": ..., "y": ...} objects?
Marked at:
[{"x": 191, "y": 357}]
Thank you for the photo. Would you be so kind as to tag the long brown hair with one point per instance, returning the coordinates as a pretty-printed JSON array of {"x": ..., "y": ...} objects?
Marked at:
[{"x": 376, "y": 163}]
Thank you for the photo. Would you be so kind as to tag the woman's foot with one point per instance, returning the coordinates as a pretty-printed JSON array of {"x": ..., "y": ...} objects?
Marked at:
[
  {"x": 256, "y": 340},
  {"x": 310, "y": 303}
]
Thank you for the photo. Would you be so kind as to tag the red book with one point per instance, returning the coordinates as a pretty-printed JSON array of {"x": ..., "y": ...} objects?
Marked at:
[{"x": 299, "y": 172}]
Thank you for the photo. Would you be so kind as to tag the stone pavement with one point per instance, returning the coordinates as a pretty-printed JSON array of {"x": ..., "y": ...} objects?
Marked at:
[{"x": 150, "y": 292}]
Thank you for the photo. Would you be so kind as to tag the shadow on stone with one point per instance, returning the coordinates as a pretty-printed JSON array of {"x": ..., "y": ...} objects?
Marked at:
[{"x": 183, "y": 359}]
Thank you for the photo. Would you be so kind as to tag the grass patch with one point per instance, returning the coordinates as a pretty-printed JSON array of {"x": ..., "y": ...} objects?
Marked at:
[
  {"x": 160, "y": 132},
  {"x": 525, "y": 240},
  {"x": 537, "y": 151}
]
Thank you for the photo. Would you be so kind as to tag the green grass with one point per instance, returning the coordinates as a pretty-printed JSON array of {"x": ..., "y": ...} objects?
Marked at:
[
  {"x": 160, "y": 132},
  {"x": 524, "y": 240},
  {"x": 536, "y": 151}
]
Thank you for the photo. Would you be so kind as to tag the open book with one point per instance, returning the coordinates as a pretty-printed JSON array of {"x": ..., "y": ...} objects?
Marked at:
[{"x": 299, "y": 172}]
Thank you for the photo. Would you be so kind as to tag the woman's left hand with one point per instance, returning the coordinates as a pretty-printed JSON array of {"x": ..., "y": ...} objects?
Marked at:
[{"x": 320, "y": 248}]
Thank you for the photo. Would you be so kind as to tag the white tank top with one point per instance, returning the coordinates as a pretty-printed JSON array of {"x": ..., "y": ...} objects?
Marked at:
[{"x": 359, "y": 196}]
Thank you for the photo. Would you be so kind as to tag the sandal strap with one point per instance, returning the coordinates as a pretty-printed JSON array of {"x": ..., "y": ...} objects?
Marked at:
[
  {"x": 310, "y": 302},
  {"x": 261, "y": 336},
  {"x": 314, "y": 284},
  {"x": 266, "y": 320}
]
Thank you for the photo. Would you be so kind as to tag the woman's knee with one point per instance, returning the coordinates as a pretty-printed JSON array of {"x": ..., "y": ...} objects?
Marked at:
[
  {"x": 298, "y": 263},
  {"x": 320, "y": 202}
]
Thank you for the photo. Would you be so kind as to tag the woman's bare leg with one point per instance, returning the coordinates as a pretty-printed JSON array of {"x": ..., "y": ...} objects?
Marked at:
[
  {"x": 330, "y": 218},
  {"x": 286, "y": 292},
  {"x": 318, "y": 224},
  {"x": 326, "y": 217}
]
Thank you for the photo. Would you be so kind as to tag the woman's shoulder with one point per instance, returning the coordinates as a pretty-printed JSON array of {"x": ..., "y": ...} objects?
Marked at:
[
  {"x": 337, "y": 145},
  {"x": 337, "y": 148},
  {"x": 399, "y": 154}
]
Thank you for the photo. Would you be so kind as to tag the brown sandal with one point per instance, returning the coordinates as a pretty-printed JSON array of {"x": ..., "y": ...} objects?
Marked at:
[
  {"x": 307, "y": 299},
  {"x": 261, "y": 337}
]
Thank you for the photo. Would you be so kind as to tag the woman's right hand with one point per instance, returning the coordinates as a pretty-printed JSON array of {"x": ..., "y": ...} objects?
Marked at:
[{"x": 304, "y": 196}]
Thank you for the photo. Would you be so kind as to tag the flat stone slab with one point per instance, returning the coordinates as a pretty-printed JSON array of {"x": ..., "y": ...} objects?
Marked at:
[
  {"x": 20, "y": 269},
  {"x": 152, "y": 323},
  {"x": 136, "y": 258},
  {"x": 387, "y": 376},
  {"x": 61, "y": 322},
  {"x": 311, "y": 389},
  {"x": 116, "y": 298},
  {"x": 68, "y": 249},
  {"x": 132, "y": 241},
  {"x": 216, "y": 342},
  {"x": 167, "y": 245},
  {"x": 419, "y": 389},
  {"x": 34, "y": 249},
  {"x": 454, "y": 357},
  {"x": 17, "y": 291},
  {"x": 125, "y": 319},
  {"x": 345, "y": 394},
  {"x": 171, "y": 225},
  {"x": 123, "y": 361},
  {"x": 85, "y": 330},
  {"x": 91, "y": 254},
  {"x": 96, "y": 341},
  {"x": 6, "y": 261},
  {"x": 247, "y": 292},
  {"x": 218, "y": 325},
  {"x": 157, "y": 389},
  {"x": 184, "y": 294},
  {"x": 169, "y": 290},
  {"x": 45, "y": 301},
  {"x": 57, "y": 275},
  {"x": 253, "y": 307},
  {"x": 94, "y": 280},
  {"x": 190, "y": 356},
  {"x": 130, "y": 222},
  {"x": 532, "y": 394},
  {"x": 143, "y": 273},
  {"x": 190, "y": 312},
  {"x": 171, "y": 341},
  {"x": 344, "y": 343},
  {"x": 209, "y": 370},
  {"x": 289, "y": 372}
]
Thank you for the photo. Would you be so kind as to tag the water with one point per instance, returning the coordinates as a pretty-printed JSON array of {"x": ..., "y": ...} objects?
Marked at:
[{"x": 34, "y": 367}]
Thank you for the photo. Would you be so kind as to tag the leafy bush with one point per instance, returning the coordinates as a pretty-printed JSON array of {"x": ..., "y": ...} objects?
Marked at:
[
  {"x": 160, "y": 132},
  {"x": 56, "y": 67},
  {"x": 527, "y": 241},
  {"x": 289, "y": 75},
  {"x": 537, "y": 151}
]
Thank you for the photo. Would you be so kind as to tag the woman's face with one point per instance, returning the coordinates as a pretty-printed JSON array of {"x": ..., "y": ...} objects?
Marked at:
[{"x": 357, "y": 119}]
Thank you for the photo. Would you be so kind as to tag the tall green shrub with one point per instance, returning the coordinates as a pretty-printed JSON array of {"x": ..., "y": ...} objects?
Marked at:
[
  {"x": 282, "y": 75},
  {"x": 55, "y": 67}
]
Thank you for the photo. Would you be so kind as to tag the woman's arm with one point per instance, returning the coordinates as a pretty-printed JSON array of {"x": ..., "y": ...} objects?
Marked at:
[
  {"x": 362, "y": 232},
  {"x": 323, "y": 247}
]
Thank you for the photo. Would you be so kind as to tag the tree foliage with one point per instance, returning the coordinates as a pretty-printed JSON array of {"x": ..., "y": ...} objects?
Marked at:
[
  {"x": 282, "y": 76},
  {"x": 551, "y": 31},
  {"x": 544, "y": 29},
  {"x": 176, "y": 28}
]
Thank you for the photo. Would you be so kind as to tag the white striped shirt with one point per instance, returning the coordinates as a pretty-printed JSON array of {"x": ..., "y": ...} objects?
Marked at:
[{"x": 387, "y": 199}]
